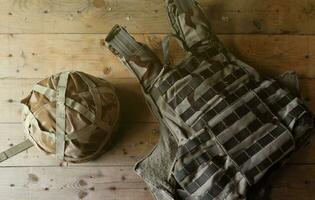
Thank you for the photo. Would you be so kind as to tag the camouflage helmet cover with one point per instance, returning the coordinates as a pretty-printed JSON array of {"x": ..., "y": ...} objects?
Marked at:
[{"x": 72, "y": 115}]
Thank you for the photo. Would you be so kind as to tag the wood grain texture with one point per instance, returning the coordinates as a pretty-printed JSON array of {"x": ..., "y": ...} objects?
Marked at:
[
  {"x": 132, "y": 143},
  {"x": 293, "y": 182},
  {"x": 133, "y": 109},
  {"x": 149, "y": 16},
  {"x": 42, "y": 37},
  {"x": 40, "y": 55},
  {"x": 73, "y": 183},
  {"x": 121, "y": 183}
]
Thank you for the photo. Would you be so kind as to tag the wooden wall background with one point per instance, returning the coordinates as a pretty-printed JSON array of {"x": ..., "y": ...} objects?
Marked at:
[{"x": 42, "y": 37}]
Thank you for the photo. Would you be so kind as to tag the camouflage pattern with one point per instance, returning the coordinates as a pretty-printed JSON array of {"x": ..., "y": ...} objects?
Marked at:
[
  {"x": 230, "y": 125},
  {"x": 91, "y": 115},
  {"x": 192, "y": 27},
  {"x": 145, "y": 64}
]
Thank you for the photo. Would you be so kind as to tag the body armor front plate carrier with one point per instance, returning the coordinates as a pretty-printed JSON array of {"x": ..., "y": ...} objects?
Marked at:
[{"x": 230, "y": 124}]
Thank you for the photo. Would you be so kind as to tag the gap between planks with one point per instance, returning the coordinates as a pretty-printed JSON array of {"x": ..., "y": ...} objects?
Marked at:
[
  {"x": 38, "y": 56},
  {"x": 240, "y": 16}
]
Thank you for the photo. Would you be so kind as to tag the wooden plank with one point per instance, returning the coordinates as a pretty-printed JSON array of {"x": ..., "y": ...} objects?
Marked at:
[
  {"x": 273, "y": 55},
  {"x": 133, "y": 109},
  {"x": 29, "y": 56},
  {"x": 293, "y": 182},
  {"x": 73, "y": 183},
  {"x": 98, "y": 16},
  {"x": 95, "y": 183},
  {"x": 40, "y": 55},
  {"x": 133, "y": 142}
]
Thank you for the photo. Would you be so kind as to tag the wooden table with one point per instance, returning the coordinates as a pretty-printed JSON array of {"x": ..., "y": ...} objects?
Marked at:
[{"x": 42, "y": 37}]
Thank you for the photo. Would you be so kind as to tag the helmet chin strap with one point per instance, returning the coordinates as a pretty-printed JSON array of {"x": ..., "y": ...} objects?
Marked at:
[{"x": 15, "y": 150}]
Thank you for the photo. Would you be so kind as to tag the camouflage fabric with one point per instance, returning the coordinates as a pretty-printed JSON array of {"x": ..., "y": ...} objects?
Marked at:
[
  {"x": 230, "y": 125},
  {"x": 84, "y": 108}
]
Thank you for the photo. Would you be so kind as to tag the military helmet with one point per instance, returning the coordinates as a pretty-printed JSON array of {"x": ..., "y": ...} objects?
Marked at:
[{"x": 70, "y": 114}]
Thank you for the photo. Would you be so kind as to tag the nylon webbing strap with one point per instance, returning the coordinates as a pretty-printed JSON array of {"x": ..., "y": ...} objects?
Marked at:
[
  {"x": 52, "y": 96},
  {"x": 96, "y": 96},
  {"x": 122, "y": 42},
  {"x": 48, "y": 92},
  {"x": 15, "y": 150},
  {"x": 166, "y": 47},
  {"x": 60, "y": 115}
]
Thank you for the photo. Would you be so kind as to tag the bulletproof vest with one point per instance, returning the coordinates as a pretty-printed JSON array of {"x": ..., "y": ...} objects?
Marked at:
[
  {"x": 71, "y": 115},
  {"x": 230, "y": 124}
]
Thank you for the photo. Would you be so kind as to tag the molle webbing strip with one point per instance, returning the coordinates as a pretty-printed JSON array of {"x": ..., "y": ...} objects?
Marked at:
[
  {"x": 261, "y": 118},
  {"x": 15, "y": 150},
  {"x": 184, "y": 70},
  {"x": 60, "y": 115},
  {"x": 253, "y": 126},
  {"x": 249, "y": 129},
  {"x": 275, "y": 97},
  {"x": 263, "y": 92},
  {"x": 218, "y": 88},
  {"x": 192, "y": 144},
  {"x": 192, "y": 157},
  {"x": 184, "y": 5},
  {"x": 295, "y": 113},
  {"x": 191, "y": 167},
  {"x": 120, "y": 40},
  {"x": 236, "y": 116},
  {"x": 216, "y": 164},
  {"x": 251, "y": 105},
  {"x": 211, "y": 169},
  {"x": 219, "y": 185},
  {"x": 230, "y": 98},
  {"x": 274, "y": 101},
  {"x": 261, "y": 143},
  {"x": 271, "y": 159},
  {"x": 278, "y": 105},
  {"x": 196, "y": 80},
  {"x": 185, "y": 91},
  {"x": 285, "y": 105}
]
